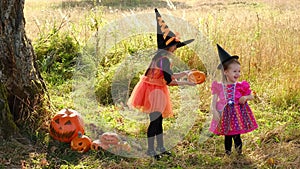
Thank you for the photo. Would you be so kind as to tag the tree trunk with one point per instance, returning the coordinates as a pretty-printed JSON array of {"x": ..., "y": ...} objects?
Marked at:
[{"x": 24, "y": 103}]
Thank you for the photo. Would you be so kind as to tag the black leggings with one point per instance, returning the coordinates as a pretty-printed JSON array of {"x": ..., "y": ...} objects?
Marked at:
[
  {"x": 155, "y": 130},
  {"x": 237, "y": 143},
  {"x": 155, "y": 127}
]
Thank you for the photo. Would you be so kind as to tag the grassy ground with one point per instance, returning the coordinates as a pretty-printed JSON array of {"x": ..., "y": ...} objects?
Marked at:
[{"x": 264, "y": 33}]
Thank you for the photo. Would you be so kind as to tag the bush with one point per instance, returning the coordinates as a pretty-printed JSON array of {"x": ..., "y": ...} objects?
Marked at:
[
  {"x": 116, "y": 83},
  {"x": 109, "y": 64},
  {"x": 56, "y": 56}
]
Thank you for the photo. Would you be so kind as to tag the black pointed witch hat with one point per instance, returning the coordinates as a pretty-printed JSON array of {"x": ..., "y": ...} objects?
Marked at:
[
  {"x": 165, "y": 37},
  {"x": 224, "y": 56}
]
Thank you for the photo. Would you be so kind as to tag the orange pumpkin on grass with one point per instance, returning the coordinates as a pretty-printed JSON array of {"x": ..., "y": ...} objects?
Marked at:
[
  {"x": 65, "y": 125},
  {"x": 196, "y": 76},
  {"x": 81, "y": 143},
  {"x": 109, "y": 138},
  {"x": 97, "y": 145}
]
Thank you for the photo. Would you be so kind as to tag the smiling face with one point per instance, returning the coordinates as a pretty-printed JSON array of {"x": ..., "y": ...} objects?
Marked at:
[{"x": 233, "y": 72}]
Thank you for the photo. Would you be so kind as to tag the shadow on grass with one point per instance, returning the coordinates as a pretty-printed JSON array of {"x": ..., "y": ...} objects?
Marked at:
[
  {"x": 120, "y": 4},
  {"x": 60, "y": 154},
  {"x": 239, "y": 161}
]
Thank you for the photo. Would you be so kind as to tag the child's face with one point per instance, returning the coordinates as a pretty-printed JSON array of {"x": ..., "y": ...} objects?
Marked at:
[
  {"x": 172, "y": 48},
  {"x": 232, "y": 73}
]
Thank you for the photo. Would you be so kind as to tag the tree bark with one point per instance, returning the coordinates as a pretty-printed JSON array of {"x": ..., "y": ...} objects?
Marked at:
[{"x": 24, "y": 102}]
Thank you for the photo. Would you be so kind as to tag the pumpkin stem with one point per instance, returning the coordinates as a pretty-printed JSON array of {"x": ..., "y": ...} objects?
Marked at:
[
  {"x": 68, "y": 112},
  {"x": 79, "y": 134}
]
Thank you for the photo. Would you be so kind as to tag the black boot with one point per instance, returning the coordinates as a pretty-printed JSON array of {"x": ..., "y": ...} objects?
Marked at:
[
  {"x": 163, "y": 151},
  {"x": 153, "y": 154},
  {"x": 239, "y": 149},
  {"x": 160, "y": 145},
  {"x": 150, "y": 151},
  {"x": 227, "y": 152}
]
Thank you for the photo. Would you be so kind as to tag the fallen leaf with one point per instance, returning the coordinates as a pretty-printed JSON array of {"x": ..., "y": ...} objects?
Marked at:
[
  {"x": 44, "y": 162},
  {"x": 271, "y": 161}
]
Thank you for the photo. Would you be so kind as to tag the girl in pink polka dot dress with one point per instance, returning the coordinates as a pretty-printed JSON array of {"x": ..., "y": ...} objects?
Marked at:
[{"x": 232, "y": 115}]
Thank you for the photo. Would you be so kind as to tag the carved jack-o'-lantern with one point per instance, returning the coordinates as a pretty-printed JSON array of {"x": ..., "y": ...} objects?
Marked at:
[
  {"x": 81, "y": 143},
  {"x": 65, "y": 125},
  {"x": 196, "y": 76},
  {"x": 109, "y": 138},
  {"x": 97, "y": 145}
]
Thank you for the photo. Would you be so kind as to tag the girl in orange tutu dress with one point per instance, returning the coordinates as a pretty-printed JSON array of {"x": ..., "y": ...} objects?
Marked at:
[
  {"x": 232, "y": 115},
  {"x": 151, "y": 94}
]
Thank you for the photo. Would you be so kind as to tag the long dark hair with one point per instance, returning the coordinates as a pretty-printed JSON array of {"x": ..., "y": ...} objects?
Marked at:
[{"x": 158, "y": 54}]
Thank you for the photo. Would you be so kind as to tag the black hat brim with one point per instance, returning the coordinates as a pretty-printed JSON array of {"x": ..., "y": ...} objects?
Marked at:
[
  {"x": 181, "y": 44},
  {"x": 232, "y": 57}
]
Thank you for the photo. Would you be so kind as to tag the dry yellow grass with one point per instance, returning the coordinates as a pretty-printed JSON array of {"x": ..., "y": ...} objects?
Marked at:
[{"x": 265, "y": 34}]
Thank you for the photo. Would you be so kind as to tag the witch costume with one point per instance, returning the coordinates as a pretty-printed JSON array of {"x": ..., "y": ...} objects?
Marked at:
[
  {"x": 235, "y": 118},
  {"x": 151, "y": 94}
]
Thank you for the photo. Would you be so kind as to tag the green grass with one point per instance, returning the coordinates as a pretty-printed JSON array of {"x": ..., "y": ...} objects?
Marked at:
[
  {"x": 257, "y": 31},
  {"x": 275, "y": 144}
]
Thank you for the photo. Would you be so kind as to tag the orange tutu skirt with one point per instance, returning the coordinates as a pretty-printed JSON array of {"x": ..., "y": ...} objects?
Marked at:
[{"x": 150, "y": 95}]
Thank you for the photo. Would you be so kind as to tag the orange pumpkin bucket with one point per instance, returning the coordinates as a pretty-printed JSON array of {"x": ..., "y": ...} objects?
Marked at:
[{"x": 196, "y": 76}]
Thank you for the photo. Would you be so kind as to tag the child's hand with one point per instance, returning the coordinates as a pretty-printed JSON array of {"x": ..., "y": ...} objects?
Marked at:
[
  {"x": 243, "y": 99},
  {"x": 186, "y": 72},
  {"x": 216, "y": 115},
  {"x": 191, "y": 83}
]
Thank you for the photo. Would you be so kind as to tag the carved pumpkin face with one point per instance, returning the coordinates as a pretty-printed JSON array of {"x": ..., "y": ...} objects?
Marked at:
[
  {"x": 81, "y": 143},
  {"x": 196, "y": 76},
  {"x": 65, "y": 125},
  {"x": 97, "y": 145},
  {"x": 109, "y": 138}
]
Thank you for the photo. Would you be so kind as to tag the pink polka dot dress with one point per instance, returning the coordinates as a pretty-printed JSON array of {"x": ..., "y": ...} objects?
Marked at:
[{"x": 235, "y": 118}]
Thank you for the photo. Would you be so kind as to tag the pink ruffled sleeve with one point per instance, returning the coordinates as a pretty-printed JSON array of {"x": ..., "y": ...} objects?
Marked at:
[
  {"x": 216, "y": 87},
  {"x": 244, "y": 88}
]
